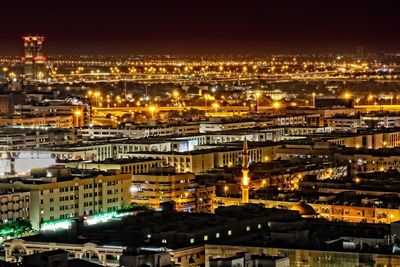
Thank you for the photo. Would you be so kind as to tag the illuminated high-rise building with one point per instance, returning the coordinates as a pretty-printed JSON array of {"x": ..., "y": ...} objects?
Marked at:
[
  {"x": 34, "y": 61},
  {"x": 245, "y": 173}
]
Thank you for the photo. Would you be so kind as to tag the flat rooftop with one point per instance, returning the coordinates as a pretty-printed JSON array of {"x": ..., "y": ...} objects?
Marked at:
[
  {"x": 382, "y": 152},
  {"x": 177, "y": 227},
  {"x": 225, "y": 147},
  {"x": 122, "y": 161},
  {"x": 345, "y": 198},
  {"x": 42, "y": 179},
  {"x": 150, "y": 228}
]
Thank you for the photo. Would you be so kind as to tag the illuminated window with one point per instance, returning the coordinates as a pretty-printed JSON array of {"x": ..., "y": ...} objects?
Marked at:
[
  {"x": 217, "y": 235},
  {"x": 205, "y": 238},
  {"x": 230, "y": 232},
  {"x": 191, "y": 240},
  {"x": 248, "y": 228},
  {"x": 259, "y": 226}
]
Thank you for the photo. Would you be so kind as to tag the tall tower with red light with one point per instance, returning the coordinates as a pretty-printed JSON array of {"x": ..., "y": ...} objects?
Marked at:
[{"x": 34, "y": 61}]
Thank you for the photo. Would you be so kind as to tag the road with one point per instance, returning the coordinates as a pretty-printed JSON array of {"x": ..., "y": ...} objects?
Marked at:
[{"x": 368, "y": 108}]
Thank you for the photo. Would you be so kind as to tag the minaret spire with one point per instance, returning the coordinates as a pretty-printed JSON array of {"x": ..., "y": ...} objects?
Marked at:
[{"x": 245, "y": 171}]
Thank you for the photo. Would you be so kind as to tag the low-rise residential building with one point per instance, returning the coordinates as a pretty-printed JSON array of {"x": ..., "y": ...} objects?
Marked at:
[
  {"x": 138, "y": 131},
  {"x": 305, "y": 130},
  {"x": 162, "y": 144},
  {"x": 160, "y": 185},
  {"x": 136, "y": 257},
  {"x": 219, "y": 126},
  {"x": 106, "y": 149},
  {"x": 370, "y": 139},
  {"x": 317, "y": 256},
  {"x": 14, "y": 138},
  {"x": 370, "y": 160},
  {"x": 290, "y": 120},
  {"x": 94, "y": 253},
  {"x": 203, "y": 160},
  {"x": 182, "y": 234},
  {"x": 196, "y": 161},
  {"x": 55, "y": 153},
  {"x": 28, "y": 121},
  {"x": 205, "y": 198},
  {"x": 345, "y": 206},
  {"x": 231, "y": 155},
  {"x": 78, "y": 111},
  {"x": 345, "y": 123},
  {"x": 14, "y": 205},
  {"x": 246, "y": 259},
  {"x": 60, "y": 193},
  {"x": 286, "y": 175},
  {"x": 381, "y": 120},
  {"x": 356, "y": 122},
  {"x": 125, "y": 165},
  {"x": 306, "y": 149}
]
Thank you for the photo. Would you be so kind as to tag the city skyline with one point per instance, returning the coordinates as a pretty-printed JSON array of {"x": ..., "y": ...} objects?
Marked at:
[
  {"x": 202, "y": 27},
  {"x": 199, "y": 133}
]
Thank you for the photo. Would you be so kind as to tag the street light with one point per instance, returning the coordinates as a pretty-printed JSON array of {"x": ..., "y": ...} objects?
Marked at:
[
  {"x": 97, "y": 95},
  {"x": 347, "y": 96},
  {"x": 258, "y": 94},
  {"x": 175, "y": 95},
  {"x": 13, "y": 75},
  {"x": 206, "y": 97},
  {"x": 4, "y": 69},
  {"x": 370, "y": 97},
  {"x": 152, "y": 109},
  {"x": 216, "y": 107},
  {"x": 77, "y": 114},
  {"x": 118, "y": 100},
  {"x": 313, "y": 99}
]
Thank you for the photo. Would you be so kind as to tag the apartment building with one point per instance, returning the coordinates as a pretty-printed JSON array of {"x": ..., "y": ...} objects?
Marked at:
[
  {"x": 328, "y": 209},
  {"x": 138, "y": 131},
  {"x": 345, "y": 123},
  {"x": 370, "y": 160},
  {"x": 125, "y": 165},
  {"x": 387, "y": 138},
  {"x": 196, "y": 161},
  {"x": 352, "y": 123},
  {"x": 66, "y": 121},
  {"x": 60, "y": 193},
  {"x": 14, "y": 205},
  {"x": 215, "y": 126},
  {"x": 14, "y": 138},
  {"x": 162, "y": 185},
  {"x": 79, "y": 111},
  {"x": 231, "y": 156}
]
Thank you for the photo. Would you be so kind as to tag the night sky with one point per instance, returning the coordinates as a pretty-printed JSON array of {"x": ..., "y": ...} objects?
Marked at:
[{"x": 201, "y": 27}]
